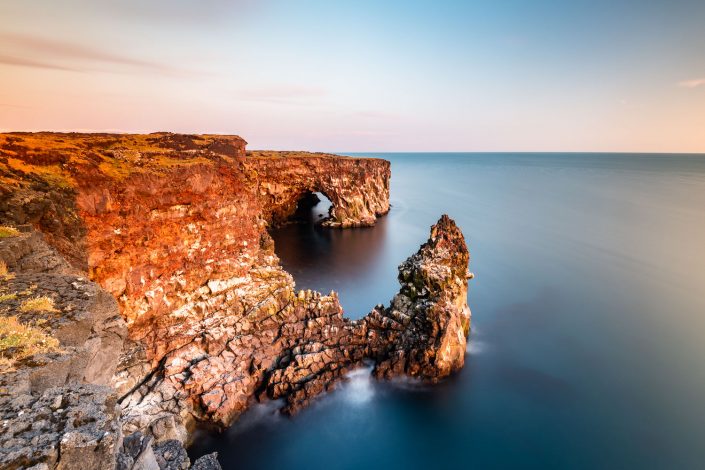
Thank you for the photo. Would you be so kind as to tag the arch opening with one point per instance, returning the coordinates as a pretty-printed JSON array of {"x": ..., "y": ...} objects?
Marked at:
[{"x": 312, "y": 208}]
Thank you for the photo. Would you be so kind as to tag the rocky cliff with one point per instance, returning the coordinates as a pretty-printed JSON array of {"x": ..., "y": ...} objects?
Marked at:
[{"x": 174, "y": 227}]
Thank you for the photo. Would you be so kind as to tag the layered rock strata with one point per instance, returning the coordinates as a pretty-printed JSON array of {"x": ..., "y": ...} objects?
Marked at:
[
  {"x": 175, "y": 228},
  {"x": 57, "y": 406}
]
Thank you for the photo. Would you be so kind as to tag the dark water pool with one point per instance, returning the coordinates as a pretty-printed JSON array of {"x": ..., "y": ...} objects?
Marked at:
[{"x": 588, "y": 331}]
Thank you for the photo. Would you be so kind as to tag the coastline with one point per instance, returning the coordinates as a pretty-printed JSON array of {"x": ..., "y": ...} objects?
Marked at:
[{"x": 175, "y": 229}]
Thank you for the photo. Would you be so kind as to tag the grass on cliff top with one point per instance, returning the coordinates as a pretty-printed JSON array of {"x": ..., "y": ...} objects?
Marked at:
[
  {"x": 38, "y": 304},
  {"x": 19, "y": 341},
  {"x": 46, "y": 155},
  {"x": 5, "y": 297},
  {"x": 6, "y": 232},
  {"x": 52, "y": 174}
]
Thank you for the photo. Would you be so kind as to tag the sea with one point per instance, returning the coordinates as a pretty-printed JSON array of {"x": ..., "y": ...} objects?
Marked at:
[{"x": 587, "y": 346}]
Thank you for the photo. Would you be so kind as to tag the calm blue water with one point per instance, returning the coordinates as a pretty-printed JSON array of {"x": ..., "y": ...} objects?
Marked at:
[{"x": 588, "y": 331}]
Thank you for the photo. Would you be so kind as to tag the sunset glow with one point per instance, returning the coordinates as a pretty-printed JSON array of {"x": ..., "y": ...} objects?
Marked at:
[{"x": 358, "y": 76}]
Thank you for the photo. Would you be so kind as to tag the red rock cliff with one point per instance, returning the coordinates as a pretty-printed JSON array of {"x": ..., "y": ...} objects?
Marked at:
[{"x": 175, "y": 227}]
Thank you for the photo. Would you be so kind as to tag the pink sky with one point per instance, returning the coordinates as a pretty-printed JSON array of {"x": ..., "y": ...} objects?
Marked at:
[{"x": 360, "y": 76}]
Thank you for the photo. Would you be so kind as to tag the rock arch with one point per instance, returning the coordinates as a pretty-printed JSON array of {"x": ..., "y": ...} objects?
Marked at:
[{"x": 358, "y": 188}]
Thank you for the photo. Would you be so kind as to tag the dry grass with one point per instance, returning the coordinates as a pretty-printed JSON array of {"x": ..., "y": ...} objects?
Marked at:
[
  {"x": 5, "y": 274},
  {"x": 4, "y": 297},
  {"x": 38, "y": 304},
  {"x": 6, "y": 232},
  {"x": 19, "y": 341},
  {"x": 48, "y": 155}
]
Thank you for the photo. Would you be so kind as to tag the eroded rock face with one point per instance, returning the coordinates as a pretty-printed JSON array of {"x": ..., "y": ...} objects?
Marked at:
[
  {"x": 422, "y": 334},
  {"x": 71, "y": 427},
  {"x": 56, "y": 406},
  {"x": 82, "y": 317},
  {"x": 358, "y": 188},
  {"x": 175, "y": 228},
  {"x": 424, "y": 331},
  {"x": 268, "y": 341}
]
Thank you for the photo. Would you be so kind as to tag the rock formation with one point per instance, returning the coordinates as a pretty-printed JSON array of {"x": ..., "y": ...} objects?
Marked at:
[
  {"x": 422, "y": 333},
  {"x": 202, "y": 320}
]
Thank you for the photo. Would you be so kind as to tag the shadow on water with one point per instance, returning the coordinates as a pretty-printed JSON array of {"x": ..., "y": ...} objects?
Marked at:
[{"x": 326, "y": 259}]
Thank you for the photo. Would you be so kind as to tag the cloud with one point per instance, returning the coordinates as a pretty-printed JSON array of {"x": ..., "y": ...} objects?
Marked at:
[
  {"x": 694, "y": 83},
  {"x": 22, "y": 62},
  {"x": 283, "y": 93},
  {"x": 32, "y": 51}
]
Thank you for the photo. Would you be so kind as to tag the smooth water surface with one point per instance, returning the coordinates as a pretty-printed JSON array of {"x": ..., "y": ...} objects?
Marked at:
[{"x": 587, "y": 347}]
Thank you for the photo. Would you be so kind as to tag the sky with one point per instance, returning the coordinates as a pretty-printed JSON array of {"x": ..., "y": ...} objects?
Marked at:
[{"x": 363, "y": 75}]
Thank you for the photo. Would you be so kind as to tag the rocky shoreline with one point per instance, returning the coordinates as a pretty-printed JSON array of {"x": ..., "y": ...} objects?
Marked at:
[{"x": 168, "y": 305}]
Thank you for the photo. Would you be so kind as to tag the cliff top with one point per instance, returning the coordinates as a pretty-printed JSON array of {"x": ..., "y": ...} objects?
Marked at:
[
  {"x": 298, "y": 154},
  {"x": 60, "y": 158}
]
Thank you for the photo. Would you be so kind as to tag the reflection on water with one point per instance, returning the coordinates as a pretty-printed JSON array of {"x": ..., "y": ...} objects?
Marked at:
[{"x": 588, "y": 321}]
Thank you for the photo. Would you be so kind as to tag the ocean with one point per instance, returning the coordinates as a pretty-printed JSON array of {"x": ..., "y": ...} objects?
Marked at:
[{"x": 587, "y": 347}]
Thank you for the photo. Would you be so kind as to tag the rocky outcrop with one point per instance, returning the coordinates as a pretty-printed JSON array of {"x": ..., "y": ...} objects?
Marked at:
[
  {"x": 78, "y": 426},
  {"x": 57, "y": 408},
  {"x": 56, "y": 405},
  {"x": 424, "y": 331},
  {"x": 77, "y": 313},
  {"x": 69, "y": 427},
  {"x": 422, "y": 334},
  {"x": 358, "y": 188},
  {"x": 175, "y": 228},
  {"x": 273, "y": 342}
]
